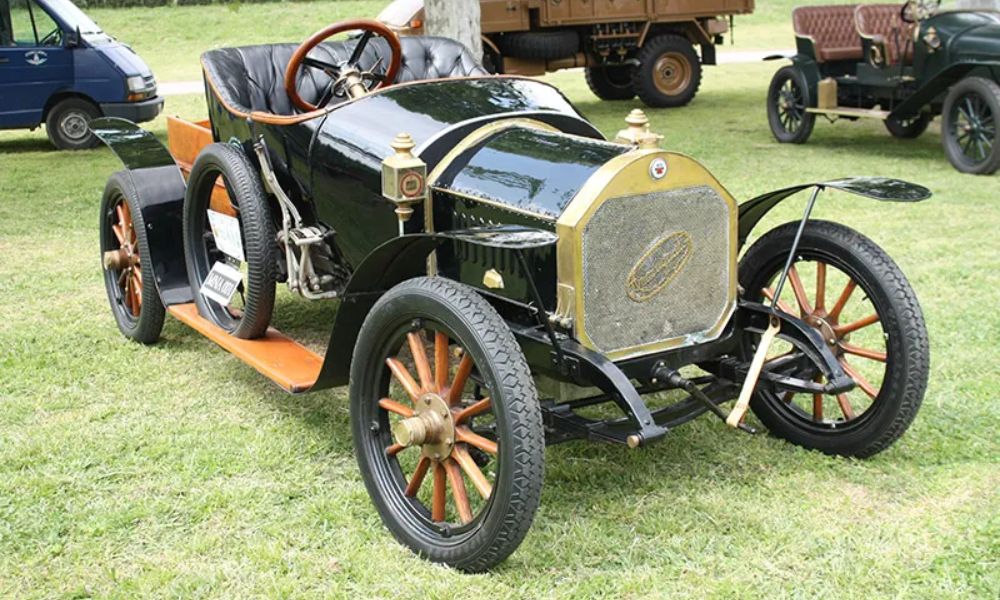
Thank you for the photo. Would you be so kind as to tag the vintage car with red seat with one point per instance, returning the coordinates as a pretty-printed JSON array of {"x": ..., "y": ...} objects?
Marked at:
[
  {"x": 500, "y": 271},
  {"x": 901, "y": 63}
]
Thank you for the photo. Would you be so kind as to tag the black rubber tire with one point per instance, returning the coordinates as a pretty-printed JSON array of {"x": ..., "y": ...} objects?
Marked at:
[
  {"x": 988, "y": 93},
  {"x": 881, "y": 280},
  {"x": 540, "y": 45},
  {"x": 908, "y": 129},
  {"x": 67, "y": 124},
  {"x": 475, "y": 324},
  {"x": 644, "y": 76},
  {"x": 145, "y": 328},
  {"x": 800, "y": 133},
  {"x": 246, "y": 193},
  {"x": 611, "y": 83}
]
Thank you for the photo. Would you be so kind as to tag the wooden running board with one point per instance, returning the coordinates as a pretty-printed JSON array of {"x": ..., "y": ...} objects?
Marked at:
[
  {"x": 867, "y": 113},
  {"x": 281, "y": 359}
]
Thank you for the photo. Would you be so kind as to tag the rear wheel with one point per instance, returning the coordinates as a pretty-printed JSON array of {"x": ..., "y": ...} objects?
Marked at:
[
  {"x": 856, "y": 297},
  {"x": 611, "y": 83},
  {"x": 969, "y": 131},
  {"x": 68, "y": 124},
  {"x": 908, "y": 129},
  {"x": 669, "y": 72},
  {"x": 128, "y": 274},
  {"x": 239, "y": 205},
  {"x": 787, "y": 101},
  {"x": 446, "y": 424}
]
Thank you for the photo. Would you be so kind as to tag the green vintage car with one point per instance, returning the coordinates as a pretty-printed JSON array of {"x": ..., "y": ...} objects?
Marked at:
[{"x": 902, "y": 63}]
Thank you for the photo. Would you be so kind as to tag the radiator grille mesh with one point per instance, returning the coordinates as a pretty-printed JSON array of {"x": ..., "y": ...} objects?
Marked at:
[{"x": 656, "y": 267}]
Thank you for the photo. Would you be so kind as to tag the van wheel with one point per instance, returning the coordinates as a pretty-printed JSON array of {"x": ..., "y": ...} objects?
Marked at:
[
  {"x": 669, "y": 72},
  {"x": 68, "y": 124}
]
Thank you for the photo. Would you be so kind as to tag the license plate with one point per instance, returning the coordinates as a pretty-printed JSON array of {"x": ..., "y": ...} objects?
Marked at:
[
  {"x": 222, "y": 282},
  {"x": 226, "y": 230}
]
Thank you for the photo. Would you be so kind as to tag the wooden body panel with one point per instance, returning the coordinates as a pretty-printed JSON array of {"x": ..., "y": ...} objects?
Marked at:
[
  {"x": 587, "y": 12},
  {"x": 185, "y": 139}
]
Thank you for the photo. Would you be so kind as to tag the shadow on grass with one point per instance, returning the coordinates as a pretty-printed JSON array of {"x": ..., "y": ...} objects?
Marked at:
[{"x": 32, "y": 144}]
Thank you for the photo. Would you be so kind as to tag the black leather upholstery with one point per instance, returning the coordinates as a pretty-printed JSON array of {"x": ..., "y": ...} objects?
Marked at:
[{"x": 252, "y": 78}]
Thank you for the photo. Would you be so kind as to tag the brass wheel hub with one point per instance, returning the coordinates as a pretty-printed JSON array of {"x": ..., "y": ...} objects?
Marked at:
[
  {"x": 825, "y": 327},
  {"x": 432, "y": 427}
]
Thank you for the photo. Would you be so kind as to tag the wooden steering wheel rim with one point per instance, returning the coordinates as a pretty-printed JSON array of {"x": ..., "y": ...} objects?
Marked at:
[{"x": 291, "y": 87}]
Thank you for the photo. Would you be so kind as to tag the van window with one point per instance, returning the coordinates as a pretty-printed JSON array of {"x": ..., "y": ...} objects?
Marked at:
[{"x": 31, "y": 26}]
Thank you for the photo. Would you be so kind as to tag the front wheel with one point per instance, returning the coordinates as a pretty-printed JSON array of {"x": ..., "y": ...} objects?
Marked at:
[
  {"x": 446, "y": 424},
  {"x": 969, "y": 129},
  {"x": 669, "y": 72},
  {"x": 855, "y": 296},
  {"x": 787, "y": 101}
]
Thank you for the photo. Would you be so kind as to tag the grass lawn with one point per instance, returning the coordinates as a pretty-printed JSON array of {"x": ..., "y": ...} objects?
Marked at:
[{"x": 174, "y": 470}]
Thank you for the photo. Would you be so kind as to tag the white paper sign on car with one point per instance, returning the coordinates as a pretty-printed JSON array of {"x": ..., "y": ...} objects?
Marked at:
[
  {"x": 226, "y": 231},
  {"x": 222, "y": 282}
]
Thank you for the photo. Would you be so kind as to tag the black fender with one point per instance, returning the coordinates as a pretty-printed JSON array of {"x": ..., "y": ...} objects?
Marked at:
[
  {"x": 159, "y": 186},
  {"x": 806, "y": 65},
  {"x": 393, "y": 262},
  {"x": 939, "y": 83},
  {"x": 876, "y": 188}
]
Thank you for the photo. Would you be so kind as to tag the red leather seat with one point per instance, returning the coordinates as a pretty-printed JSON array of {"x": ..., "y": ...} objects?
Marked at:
[
  {"x": 832, "y": 30},
  {"x": 883, "y": 25}
]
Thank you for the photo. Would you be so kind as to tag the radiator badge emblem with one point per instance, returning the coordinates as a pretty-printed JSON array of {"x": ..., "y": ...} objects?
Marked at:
[
  {"x": 660, "y": 264},
  {"x": 658, "y": 169}
]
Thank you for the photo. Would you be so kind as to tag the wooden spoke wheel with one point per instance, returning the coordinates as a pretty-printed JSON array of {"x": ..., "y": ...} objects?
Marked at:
[
  {"x": 128, "y": 277},
  {"x": 856, "y": 298},
  {"x": 224, "y": 185},
  {"x": 787, "y": 101},
  {"x": 438, "y": 388}
]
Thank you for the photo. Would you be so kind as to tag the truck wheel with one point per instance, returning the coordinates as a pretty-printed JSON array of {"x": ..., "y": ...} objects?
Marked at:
[
  {"x": 969, "y": 130},
  {"x": 442, "y": 397},
  {"x": 540, "y": 45},
  {"x": 128, "y": 275},
  {"x": 669, "y": 72},
  {"x": 249, "y": 313},
  {"x": 787, "y": 101},
  {"x": 611, "y": 83},
  {"x": 908, "y": 129},
  {"x": 67, "y": 124},
  {"x": 849, "y": 289}
]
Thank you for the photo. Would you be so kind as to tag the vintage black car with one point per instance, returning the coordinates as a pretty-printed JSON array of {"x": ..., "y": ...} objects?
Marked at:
[
  {"x": 506, "y": 276},
  {"x": 902, "y": 63}
]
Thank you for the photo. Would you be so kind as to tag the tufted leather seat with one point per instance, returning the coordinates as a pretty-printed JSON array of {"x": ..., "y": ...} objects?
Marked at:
[
  {"x": 832, "y": 30},
  {"x": 251, "y": 78},
  {"x": 883, "y": 25}
]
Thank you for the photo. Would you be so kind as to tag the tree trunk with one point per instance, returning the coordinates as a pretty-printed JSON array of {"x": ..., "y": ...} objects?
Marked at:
[{"x": 456, "y": 19}]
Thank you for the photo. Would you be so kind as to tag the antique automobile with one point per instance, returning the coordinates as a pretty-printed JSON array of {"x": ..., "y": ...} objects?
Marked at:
[
  {"x": 505, "y": 276},
  {"x": 901, "y": 63},
  {"x": 626, "y": 47}
]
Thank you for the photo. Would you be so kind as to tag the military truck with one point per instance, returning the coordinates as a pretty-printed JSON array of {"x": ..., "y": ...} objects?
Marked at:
[{"x": 626, "y": 47}]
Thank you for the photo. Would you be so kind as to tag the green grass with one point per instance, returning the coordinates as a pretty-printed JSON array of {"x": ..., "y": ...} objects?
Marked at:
[{"x": 174, "y": 470}]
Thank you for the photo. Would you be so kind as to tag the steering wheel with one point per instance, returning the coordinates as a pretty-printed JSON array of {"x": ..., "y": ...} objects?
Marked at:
[
  {"x": 345, "y": 74},
  {"x": 914, "y": 11}
]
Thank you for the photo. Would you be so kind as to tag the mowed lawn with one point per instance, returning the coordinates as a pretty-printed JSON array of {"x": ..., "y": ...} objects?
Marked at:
[{"x": 174, "y": 470}]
